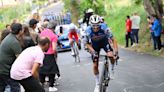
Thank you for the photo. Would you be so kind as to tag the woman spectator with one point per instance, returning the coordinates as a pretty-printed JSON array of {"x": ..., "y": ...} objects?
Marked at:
[
  {"x": 27, "y": 39},
  {"x": 49, "y": 67},
  {"x": 37, "y": 17}
]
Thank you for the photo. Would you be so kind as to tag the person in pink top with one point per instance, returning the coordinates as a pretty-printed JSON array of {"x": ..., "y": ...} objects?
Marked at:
[
  {"x": 26, "y": 66},
  {"x": 49, "y": 67}
]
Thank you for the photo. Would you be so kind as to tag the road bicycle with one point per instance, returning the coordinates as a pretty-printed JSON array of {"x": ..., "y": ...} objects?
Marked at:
[
  {"x": 76, "y": 52},
  {"x": 105, "y": 76}
]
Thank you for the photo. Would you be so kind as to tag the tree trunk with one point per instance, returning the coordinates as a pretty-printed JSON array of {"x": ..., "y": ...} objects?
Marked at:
[
  {"x": 155, "y": 8},
  {"x": 148, "y": 7}
]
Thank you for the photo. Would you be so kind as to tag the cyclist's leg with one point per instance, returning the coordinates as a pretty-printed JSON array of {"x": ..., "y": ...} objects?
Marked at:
[
  {"x": 108, "y": 49},
  {"x": 95, "y": 68},
  {"x": 71, "y": 44},
  {"x": 71, "y": 41},
  {"x": 77, "y": 40},
  {"x": 70, "y": 37}
]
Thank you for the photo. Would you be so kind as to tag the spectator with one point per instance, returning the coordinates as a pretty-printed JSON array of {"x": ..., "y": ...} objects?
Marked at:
[
  {"x": 60, "y": 31},
  {"x": 87, "y": 15},
  {"x": 150, "y": 23},
  {"x": 52, "y": 26},
  {"x": 4, "y": 34},
  {"x": 10, "y": 48},
  {"x": 37, "y": 17},
  {"x": 25, "y": 68},
  {"x": 157, "y": 29},
  {"x": 104, "y": 26},
  {"x": 33, "y": 33},
  {"x": 49, "y": 67},
  {"x": 8, "y": 27},
  {"x": 128, "y": 31},
  {"x": 45, "y": 23},
  {"x": 68, "y": 15},
  {"x": 27, "y": 39},
  {"x": 135, "y": 27}
]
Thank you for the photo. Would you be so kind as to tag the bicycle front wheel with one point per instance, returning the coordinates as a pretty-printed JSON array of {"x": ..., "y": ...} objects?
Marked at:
[{"x": 104, "y": 78}]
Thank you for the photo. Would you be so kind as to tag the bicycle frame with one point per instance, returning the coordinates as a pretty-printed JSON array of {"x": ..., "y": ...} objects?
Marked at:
[
  {"x": 76, "y": 51},
  {"x": 105, "y": 76}
]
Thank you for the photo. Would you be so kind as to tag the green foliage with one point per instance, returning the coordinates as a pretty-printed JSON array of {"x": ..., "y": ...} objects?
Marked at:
[
  {"x": 97, "y": 6},
  {"x": 83, "y": 5},
  {"x": 10, "y": 13},
  {"x": 138, "y": 2},
  {"x": 117, "y": 16},
  {"x": 39, "y": 2}
]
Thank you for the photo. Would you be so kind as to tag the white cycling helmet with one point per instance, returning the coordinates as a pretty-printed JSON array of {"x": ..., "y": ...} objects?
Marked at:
[
  {"x": 90, "y": 10},
  {"x": 94, "y": 19},
  {"x": 72, "y": 26}
]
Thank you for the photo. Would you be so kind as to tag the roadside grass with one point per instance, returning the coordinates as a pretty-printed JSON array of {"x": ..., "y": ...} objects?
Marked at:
[{"x": 116, "y": 20}]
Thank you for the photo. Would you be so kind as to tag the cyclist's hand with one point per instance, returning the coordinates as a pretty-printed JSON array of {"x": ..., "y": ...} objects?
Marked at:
[
  {"x": 116, "y": 55},
  {"x": 95, "y": 55}
]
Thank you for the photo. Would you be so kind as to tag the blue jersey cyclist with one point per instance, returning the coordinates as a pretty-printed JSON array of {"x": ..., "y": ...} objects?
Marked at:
[{"x": 98, "y": 38}]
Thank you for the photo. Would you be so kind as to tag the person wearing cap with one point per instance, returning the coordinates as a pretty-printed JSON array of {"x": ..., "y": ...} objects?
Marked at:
[
  {"x": 49, "y": 67},
  {"x": 10, "y": 48},
  {"x": 32, "y": 27},
  {"x": 87, "y": 14}
]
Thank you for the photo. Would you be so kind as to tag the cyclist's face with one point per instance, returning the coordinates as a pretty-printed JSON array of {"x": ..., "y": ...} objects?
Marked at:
[
  {"x": 95, "y": 27},
  {"x": 73, "y": 30}
]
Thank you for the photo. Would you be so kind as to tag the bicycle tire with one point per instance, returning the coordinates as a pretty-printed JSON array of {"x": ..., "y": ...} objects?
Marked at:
[
  {"x": 104, "y": 81},
  {"x": 75, "y": 48}
]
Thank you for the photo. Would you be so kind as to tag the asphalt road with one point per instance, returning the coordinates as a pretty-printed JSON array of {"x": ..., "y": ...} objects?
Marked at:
[
  {"x": 135, "y": 73},
  {"x": 55, "y": 8}
]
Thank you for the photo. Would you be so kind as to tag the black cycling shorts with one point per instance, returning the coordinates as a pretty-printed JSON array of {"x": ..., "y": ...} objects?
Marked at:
[{"x": 107, "y": 48}]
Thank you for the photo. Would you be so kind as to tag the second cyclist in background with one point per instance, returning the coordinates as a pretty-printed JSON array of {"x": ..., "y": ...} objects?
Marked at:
[{"x": 73, "y": 36}]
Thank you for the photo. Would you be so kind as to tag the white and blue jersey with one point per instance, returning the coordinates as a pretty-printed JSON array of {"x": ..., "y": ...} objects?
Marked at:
[{"x": 98, "y": 39}]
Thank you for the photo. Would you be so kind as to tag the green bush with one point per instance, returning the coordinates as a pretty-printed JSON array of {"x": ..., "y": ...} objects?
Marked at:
[
  {"x": 81, "y": 6},
  {"x": 10, "y": 13}
]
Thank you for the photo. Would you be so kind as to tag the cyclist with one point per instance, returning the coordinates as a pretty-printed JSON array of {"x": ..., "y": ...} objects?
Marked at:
[
  {"x": 97, "y": 39},
  {"x": 73, "y": 35}
]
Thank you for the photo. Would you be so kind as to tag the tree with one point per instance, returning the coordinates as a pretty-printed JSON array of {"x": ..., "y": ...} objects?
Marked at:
[{"x": 154, "y": 7}]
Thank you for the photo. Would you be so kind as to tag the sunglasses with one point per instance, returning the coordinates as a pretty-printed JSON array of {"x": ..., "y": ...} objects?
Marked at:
[{"x": 95, "y": 26}]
